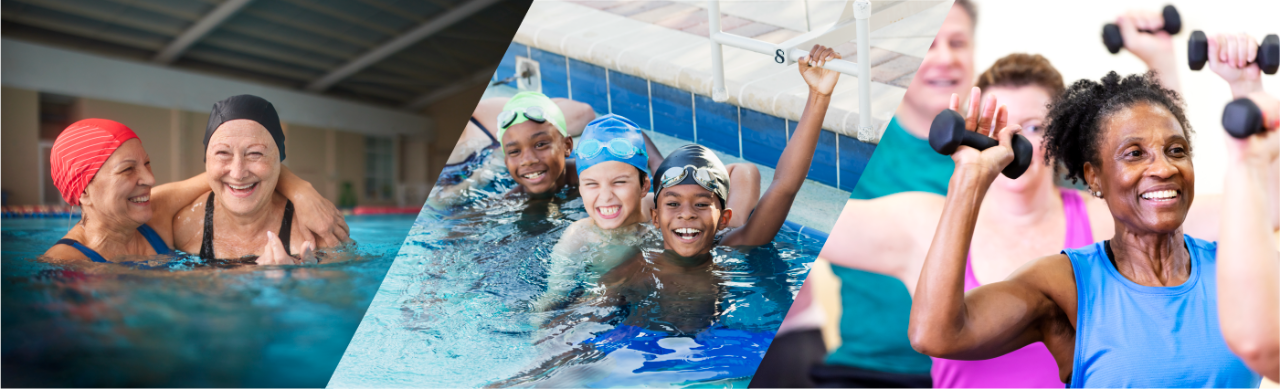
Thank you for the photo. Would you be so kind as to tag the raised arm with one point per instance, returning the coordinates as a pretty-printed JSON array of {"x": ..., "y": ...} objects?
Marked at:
[
  {"x": 1153, "y": 48},
  {"x": 793, "y": 165},
  {"x": 1248, "y": 265},
  {"x": 944, "y": 322}
]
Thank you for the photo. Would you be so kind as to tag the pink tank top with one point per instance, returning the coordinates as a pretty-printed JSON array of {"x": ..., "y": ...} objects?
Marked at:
[{"x": 1031, "y": 366}]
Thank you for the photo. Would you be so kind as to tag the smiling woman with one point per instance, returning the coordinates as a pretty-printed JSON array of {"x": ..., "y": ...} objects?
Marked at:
[
  {"x": 244, "y": 148},
  {"x": 1128, "y": 140}
]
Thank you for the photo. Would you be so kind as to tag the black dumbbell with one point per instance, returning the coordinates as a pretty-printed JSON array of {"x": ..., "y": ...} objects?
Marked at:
[
  {"x": 1268, "y": 58},
  {"x": 1242, "y": 118},
  {"x": 947, "y": 133},
  {"x": 1114, "y": 41}
]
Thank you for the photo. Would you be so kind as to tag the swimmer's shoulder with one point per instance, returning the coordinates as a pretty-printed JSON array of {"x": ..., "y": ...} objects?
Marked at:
[
  {"x": 188, "y": 224},
  {"x": 64, "y": 252}
]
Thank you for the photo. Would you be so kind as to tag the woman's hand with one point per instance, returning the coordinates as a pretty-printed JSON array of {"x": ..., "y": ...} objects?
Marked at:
[
  {"x": 275, "y": 253},
  {"x": 821, "y": 81},
  {"x": 1260, "y": 149},
  {"x": 985, "y": 120},
  {"x": 1230, "y": 56},
  {"x": 1151, "y": 47}
]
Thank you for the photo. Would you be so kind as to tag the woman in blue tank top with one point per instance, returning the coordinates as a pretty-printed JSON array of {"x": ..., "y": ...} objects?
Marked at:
[{"x": 1138, "y": 310}]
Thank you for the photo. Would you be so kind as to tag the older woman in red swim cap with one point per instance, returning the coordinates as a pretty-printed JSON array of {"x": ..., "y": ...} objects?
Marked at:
[{"x": 101, "y": 166}]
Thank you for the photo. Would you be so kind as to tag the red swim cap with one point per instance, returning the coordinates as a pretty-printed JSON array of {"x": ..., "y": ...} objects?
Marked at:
[{"x": 81, "y": 150}]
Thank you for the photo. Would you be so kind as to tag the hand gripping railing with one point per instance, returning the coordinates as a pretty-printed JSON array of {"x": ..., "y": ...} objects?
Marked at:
[{"x": 787, "y": 52}]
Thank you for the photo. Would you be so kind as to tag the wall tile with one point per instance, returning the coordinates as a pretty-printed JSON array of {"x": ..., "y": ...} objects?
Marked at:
[
  {"x": 589, "y": 85},
  {"x": 717, "y": 124},
  {"x": 763, "y": 137},
  {"x": 630, "y": 95},
  {"x": 555, "y": 81},
  {"x": 853, "y": 160},
  {"x": 672, "y": 112}
]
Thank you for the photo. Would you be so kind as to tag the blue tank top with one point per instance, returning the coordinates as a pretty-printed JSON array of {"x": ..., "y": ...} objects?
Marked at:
[{"x": 1130, "y": 335}]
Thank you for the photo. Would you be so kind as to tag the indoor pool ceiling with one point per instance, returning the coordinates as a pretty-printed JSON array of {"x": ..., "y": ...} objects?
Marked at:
[{"x": 396, "y": 53}]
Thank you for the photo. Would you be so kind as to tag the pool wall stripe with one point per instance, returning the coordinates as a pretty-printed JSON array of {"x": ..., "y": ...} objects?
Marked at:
[{"x": 749, "y": 134}]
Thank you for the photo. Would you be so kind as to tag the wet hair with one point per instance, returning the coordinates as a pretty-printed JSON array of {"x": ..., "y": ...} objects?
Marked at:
[
  {"x": 970, "y": 9},
  {"x": 1073, "y": 132},
  {"x": 1019, "y": 70}
]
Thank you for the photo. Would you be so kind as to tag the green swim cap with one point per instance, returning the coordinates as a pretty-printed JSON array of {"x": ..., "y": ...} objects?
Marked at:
[{"x": 522, "y": 101}]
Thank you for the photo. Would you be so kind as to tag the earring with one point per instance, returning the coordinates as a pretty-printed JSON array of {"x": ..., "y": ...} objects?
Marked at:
[{"x": 1097, "y": 194}]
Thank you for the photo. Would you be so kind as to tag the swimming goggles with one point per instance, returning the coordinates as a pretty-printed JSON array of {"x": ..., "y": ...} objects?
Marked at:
[
  {"x": 534, "y": 114},
  {"x": 702, "y": 175},
  {"x": 619, "y": 147}
]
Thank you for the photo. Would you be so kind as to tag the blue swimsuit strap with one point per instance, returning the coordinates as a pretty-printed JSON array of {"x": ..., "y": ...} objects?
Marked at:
[
  {"x": 88, "y": 252},
  {"x": 152, "y": 237},
  {"x": 157, "y": 243}
]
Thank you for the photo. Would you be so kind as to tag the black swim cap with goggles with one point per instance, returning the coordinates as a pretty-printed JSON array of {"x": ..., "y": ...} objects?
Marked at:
[{"x": 692, "y": 165}]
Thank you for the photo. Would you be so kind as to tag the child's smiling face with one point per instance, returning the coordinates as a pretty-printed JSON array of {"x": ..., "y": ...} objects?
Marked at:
[
  {"x": 689, "y": 216},
  {"x": 611, "y": 192},
  {"x": 535, "y": 155}
]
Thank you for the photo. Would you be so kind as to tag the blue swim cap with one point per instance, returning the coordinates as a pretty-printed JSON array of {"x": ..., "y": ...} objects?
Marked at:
[{"x": 611, "y": 138}]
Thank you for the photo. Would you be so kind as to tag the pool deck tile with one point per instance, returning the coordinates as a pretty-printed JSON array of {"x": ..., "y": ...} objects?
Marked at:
[
  {"x": 751, "y": 30},
  {"x": 717, "y": 125},
  {"x": 727, "y": 23},
  {"x": 657, "y": 14},
  {"x": 628, "y": 8}
]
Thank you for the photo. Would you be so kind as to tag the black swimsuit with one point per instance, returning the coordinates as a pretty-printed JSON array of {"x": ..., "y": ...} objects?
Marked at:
[{"x": 206, "y": 245}]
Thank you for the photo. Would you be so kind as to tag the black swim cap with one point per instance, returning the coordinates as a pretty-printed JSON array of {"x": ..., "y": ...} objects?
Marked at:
[
  {"x": 701, "y": 159},
  {"x": 245, "y": 107}
]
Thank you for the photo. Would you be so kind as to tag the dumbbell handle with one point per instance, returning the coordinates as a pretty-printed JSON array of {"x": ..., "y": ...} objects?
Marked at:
[
  {"x": 1242, "y": 118},
  {"x": 948, "y": 123}
]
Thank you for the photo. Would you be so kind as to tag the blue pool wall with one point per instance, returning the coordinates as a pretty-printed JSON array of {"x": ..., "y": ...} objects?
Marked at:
[{"x": 748, "y": 134}]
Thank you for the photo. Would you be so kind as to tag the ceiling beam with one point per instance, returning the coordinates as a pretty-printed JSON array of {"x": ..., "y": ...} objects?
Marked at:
[
  {"x": 426, "y": 99},
  {"x": 422, "y": 31},
  {"x": 199, "y": 30}
]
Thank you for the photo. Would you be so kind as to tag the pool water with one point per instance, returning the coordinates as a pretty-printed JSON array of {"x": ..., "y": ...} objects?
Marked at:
[
  {"x": 90, "y": 324},
  {"x": 454, "y": 310}
]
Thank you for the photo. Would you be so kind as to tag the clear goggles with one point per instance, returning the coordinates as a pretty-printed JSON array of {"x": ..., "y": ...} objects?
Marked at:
[
  {"x": 674, "y": 175},
  {"x": 619, "y": 147},
  {"x": 534, "y": 114}
]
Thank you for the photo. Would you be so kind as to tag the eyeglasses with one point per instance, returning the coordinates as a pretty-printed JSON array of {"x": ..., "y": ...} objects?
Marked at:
[
  {"x": 674, "y": 175},
  {"x": 619, "y": 147},
  {"x": 534, "y": 114}
]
